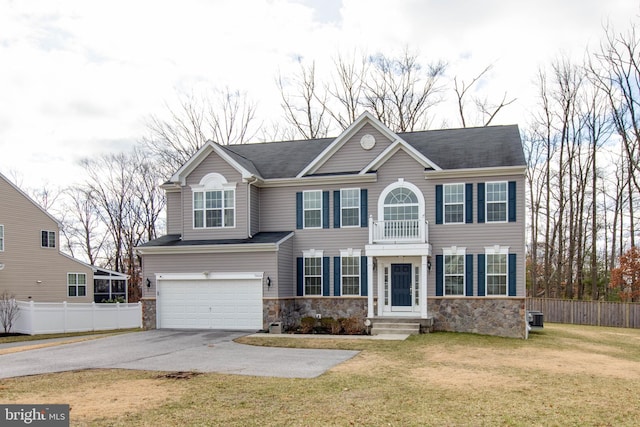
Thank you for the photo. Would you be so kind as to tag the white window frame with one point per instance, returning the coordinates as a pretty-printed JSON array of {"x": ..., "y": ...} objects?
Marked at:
[
  {"x": 356, "y": 254},
  {"x": 343, "y": 208},
  {"x": 451, "y": 252},
  {"x": 76, "y": 285},
  {"x": 445, "y": 204},
  {"x": 1, "y": 238},
  {"x": 316, "y": 255},
  {"x": 305, "y": 210},
  {"x": 51, "y": 244},
  {"x": 214, "y": 182},
  {"x": 505, "y": 202},
  {"x": 491, "y": 251}
]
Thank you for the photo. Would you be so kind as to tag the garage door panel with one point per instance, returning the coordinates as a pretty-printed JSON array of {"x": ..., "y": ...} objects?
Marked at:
[{"x": 210, "y": 304}]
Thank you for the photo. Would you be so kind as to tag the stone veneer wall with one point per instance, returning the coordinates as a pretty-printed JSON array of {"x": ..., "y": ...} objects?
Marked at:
[
  {"x": 289, "y": 311},
  {"x": 148, "y": 313},
  {"x": 503, "y": 317}
]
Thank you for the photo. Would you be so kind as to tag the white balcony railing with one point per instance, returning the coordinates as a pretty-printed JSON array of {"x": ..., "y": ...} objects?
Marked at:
[{"x": 398, "y": 231}]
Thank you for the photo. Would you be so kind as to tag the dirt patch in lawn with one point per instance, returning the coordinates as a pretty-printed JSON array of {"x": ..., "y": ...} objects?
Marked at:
[{"x": 120, "y": 396}]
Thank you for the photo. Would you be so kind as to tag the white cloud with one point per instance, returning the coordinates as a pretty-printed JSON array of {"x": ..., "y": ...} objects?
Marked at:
[{"x": 79, "y": 78}]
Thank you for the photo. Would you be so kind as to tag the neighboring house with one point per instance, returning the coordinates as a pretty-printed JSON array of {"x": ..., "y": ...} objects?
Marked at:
[
  {"x": 33, "y": 268},
  {"x": 425, "y": 227}
]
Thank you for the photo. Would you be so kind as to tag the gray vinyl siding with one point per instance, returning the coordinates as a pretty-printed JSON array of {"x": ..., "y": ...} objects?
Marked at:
[
  {"x": 174, "y": 212},
  {"x": 26, "y": 262},
  {"x": 265, "y": 262},
  {"x": 213, "y": 163},
  {"x": 351, "y": 156},
  {"x": 285, "y": 285},
  {"x": 255, "y": 209}
]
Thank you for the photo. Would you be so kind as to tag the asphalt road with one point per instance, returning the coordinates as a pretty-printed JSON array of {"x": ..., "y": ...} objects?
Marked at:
[{"x": 173, "y": 350}]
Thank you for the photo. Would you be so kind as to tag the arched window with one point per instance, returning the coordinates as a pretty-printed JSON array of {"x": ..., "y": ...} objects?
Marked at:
[{"x": 401, "y": 204}]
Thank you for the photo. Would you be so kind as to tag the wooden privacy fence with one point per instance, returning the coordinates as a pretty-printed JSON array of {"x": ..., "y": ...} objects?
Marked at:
[
  {"x": 596, "y": 313},
  {"x": 48, "y": 318}
]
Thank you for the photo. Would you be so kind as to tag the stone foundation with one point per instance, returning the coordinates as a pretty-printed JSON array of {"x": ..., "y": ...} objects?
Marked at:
[
  {"x": 503, "y": 317},
  {"x": 148, "y": 313},
  {"x": 289, "y": 311}
]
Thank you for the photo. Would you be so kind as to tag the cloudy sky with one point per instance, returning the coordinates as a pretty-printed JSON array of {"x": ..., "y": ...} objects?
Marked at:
[{"x": 80, "y": 78}]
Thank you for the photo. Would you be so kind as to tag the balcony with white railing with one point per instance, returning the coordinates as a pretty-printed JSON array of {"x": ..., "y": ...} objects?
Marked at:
[{"x": 398, "y": 231}]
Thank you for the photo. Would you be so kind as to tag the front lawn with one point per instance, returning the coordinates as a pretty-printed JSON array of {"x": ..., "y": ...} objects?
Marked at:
[{"x": 565, "y": 375}]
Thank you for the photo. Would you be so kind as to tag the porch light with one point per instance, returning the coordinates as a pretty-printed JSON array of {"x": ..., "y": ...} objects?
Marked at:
[
  {"x": 429, "y": 265},
  {"x": 148, "y": 283},
  {"x": 268, "y": 282}
]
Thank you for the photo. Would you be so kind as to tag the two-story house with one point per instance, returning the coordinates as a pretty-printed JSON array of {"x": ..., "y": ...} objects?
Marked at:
[
  {"x": 422, "y": 226},
  {"x": 32, "y": 267}
]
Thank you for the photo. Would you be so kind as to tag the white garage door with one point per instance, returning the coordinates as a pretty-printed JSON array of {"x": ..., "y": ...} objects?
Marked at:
[{"x": 222, "y": 303}]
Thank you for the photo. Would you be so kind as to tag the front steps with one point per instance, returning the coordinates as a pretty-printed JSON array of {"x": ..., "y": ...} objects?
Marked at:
[{"x": 400, "y": 326}]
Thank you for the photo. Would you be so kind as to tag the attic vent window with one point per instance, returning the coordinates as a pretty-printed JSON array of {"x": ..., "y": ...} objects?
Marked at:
[{"x": 368, "y": 141}]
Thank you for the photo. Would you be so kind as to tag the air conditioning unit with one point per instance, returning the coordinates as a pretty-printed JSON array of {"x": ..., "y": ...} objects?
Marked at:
[{"x": 535, "y": 319}]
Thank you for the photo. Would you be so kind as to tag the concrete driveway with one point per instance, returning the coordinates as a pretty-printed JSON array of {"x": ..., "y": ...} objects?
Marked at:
[{"x": 173, "y": 350}]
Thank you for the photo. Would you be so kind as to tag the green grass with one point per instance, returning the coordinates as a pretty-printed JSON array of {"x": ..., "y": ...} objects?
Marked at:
[{"x": 562, "y": 376}]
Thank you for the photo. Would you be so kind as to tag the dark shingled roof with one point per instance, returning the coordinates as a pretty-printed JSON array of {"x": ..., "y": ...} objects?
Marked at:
[
  {"x": 479, "y": 147},
  {"x": 174, "y": 240}
]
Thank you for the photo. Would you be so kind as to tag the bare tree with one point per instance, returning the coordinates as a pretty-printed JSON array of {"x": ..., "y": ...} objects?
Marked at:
[
  {"x": 347, "y": 89},
  {"x": 488, "y": 110},
  {"x": 227, "y": 117},
  {"x": 401, "y": 92},
  {"x": 9, "y": 311},
  {"x": 304, "y": 102}
]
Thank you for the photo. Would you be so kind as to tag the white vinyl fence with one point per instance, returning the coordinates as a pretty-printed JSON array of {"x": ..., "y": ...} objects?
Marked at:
[{"x": 49, "y": 318}]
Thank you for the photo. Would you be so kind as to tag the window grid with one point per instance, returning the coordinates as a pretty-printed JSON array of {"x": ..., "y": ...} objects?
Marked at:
[
  {"x": 313, "y": 276},
  {"x": 454, "y": 274},
  {"x": 214, "y": 209},
  {"x": 312, "y": 208},
  {"x": 350, "y": 207},
  {"x": 386, "y": 286},
  {"x": 77, "y": 284},
  {"x": 453, "y": 203},
  {"x": 496, "y": 274},
  {"x": 416, "y": 291},
  {"x": 48, "y": 239},
  {"x": 350, "y": 266},
  {"x": 496, "y": 197}
]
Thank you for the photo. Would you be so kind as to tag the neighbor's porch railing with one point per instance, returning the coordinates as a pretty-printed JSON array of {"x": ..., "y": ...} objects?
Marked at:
[{"x": 398, "y": 231}]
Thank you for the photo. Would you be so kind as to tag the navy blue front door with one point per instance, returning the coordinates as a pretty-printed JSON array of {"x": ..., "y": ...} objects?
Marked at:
[{"x": 401, "y": 285}]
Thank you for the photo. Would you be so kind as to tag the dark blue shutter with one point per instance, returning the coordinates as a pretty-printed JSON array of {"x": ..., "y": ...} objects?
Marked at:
[
  {"x": 364, "y": 212},
  {"x": 512, "y": 201},
  {"x": 336, "y": 276},
  {"x": 325, "y": 209},
  {"x": 439, "y": 275},
  {"x": 300, "y": 277},
  {"x": 326, "y": 280},
  {"x": 481, "y": 277},
  {"x": 439, "y": 204},
  {"x": 299, "y": 210},
  {"x": 336, "y": 209},
  {"x": 364, "y": 276},
  {"x": 481, "y": 202},
  {"x": 469, "y": 275},
  {"x": 468, "y": 203},
  {"x": 512, "y": 275}
]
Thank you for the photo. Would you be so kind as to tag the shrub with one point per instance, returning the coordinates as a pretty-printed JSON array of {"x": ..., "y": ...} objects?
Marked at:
[
  {"x": 352, "y": 325},
  {"x": 331, "y": 325},
  {"x": 307, "y": 324}
]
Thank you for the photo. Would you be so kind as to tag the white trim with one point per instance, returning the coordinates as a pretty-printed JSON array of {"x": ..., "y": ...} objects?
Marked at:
[
  {"x": 496, "y": 250},
  {"x": 392, "y": 149},
  {"x": 454, "y": 251},
  {"x": 313, "y": 253},
  {"x": 322, "y": 158},
  {"x": 401, "y": 183},
  {"x": 2, "y": 238},
  {"x": 350, "y": 253},
  {"x": 206, "y": 275},
  {"x": 319, "y": 180},
  {"x": 475, "y": 172},
  {"x": 463, "y": 203},
  {"x": 321, "y": 209},
  {"x": 402, "y": 249},
  {"x": 181, "y": 174},
  {"x": 203, "y": 190},
  {"x": 506, "y": 202},
  {"x": 55, "y": 239},
  {"x": 358, "y": 206}
]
